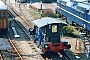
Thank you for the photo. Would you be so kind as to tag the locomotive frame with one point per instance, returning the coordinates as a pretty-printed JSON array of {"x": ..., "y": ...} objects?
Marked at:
[{"x": 47, "y": 35}]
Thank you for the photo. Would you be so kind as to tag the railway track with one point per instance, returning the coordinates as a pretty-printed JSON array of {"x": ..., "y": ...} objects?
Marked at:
[
  {"x": 17, "y": 15},
  {"x": 23, "y": 38},
  {"x": 15, "y": 40},
  {"x": 8, "y": 50},
  {"x": 22, "y": 7},
  {"x": 1, "y": 57},
  {"x": 44, "y": 55},
  {"x": 26, "y": 14}
]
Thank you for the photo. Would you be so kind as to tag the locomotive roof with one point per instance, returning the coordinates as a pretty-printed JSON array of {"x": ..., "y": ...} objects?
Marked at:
[
  {"x": 87, "y": 6},
  {"x": 69, "y": 3},
  {"x": 2, "y": 6},
  {"x": 45, "y": 21}
]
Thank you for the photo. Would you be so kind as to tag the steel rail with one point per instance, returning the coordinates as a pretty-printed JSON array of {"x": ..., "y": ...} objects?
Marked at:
[
  {"x": 18, "y": 14},
  {"x": 1, "y": 58},
  {"x": 17, "y": 22},
  {"x": 15, "y": 49},
  {"x": 13, "y": 46},
  {"x": 29, "y": 13},
  {"x": 22, "y": 28},
  {"x": 67, "y": 58},
  {"x": 26, "y": 20}
]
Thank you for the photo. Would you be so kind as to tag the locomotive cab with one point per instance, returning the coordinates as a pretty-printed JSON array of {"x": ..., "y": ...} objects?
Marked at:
[{"x": 47, "y": 34}]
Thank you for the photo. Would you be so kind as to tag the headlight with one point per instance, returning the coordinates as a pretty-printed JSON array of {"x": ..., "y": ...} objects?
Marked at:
[
  {"x": 46, "y": 46},
  {"x": 68, "y": 46},
  {"x": 65, "y": 43}
]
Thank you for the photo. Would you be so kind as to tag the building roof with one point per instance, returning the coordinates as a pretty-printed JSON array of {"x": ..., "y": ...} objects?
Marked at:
[
  {"x": 45, "y": 21},
  {"x": 2, "y": 6}
]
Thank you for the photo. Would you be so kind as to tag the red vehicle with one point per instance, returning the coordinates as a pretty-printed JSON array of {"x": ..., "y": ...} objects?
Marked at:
[{"x": 47, "y": 35}]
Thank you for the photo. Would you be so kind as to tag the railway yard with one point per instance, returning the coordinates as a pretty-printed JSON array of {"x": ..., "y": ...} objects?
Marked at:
[{"x": 16, "y": 44}]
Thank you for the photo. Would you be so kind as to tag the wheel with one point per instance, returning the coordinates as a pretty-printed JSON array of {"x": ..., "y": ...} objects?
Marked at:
[
  {"x": 68, "y": 46},
  {"x": 35, "y": 41}
]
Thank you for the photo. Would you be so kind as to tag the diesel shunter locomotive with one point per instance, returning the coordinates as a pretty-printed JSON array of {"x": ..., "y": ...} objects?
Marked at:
[{"x": 47, "y": 35}]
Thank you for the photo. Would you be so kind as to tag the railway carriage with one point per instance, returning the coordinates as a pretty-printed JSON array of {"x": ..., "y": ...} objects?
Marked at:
[
  {"x": 3, "y": 16},
  {"x": 75, "y": 11},
  {"x": 47, "y": 35}
]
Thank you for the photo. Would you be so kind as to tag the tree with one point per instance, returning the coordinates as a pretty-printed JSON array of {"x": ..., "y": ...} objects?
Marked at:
[{"x": 69, "y": 30}]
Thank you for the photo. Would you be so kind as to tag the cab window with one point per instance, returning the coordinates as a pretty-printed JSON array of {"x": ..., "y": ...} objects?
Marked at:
[{"x": 54, "y": 28}]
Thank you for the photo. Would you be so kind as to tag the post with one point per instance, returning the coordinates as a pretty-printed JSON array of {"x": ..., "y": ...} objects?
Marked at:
[
  {"x": 87, "y": 51},
  {"x": 62, "y": 34},
  {"x": 83, "y": 31},
  {"x": 19, "y": 5},
  {"x": 9, "y": 1},
  {"x": 5, "y": 1},
  {"x": 15, "y": 2},
  {"x": 30, "y": 1},
  {"x": 41, "y": 9},
  {"x": 44, "y": 35}
]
